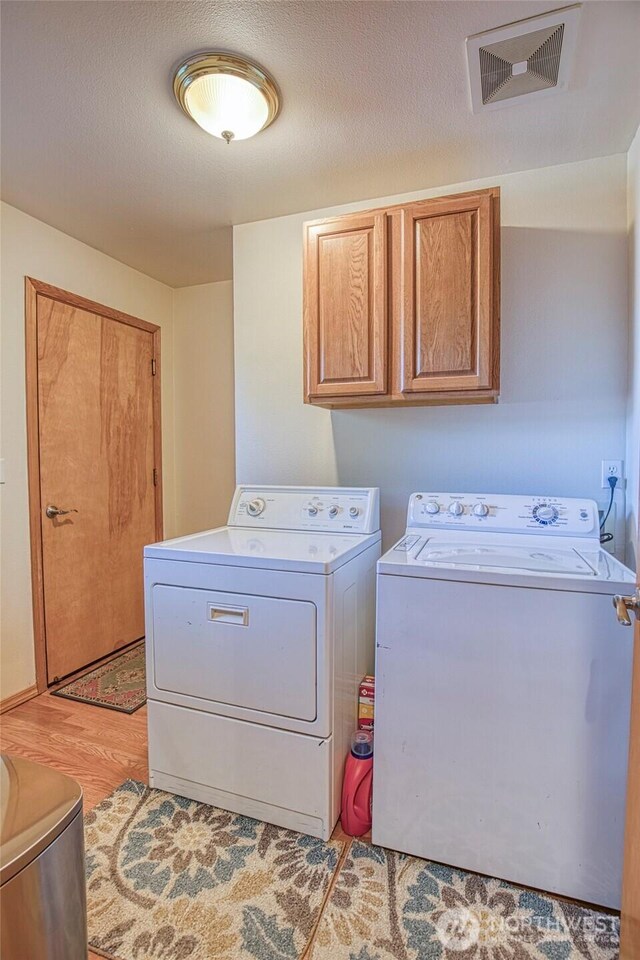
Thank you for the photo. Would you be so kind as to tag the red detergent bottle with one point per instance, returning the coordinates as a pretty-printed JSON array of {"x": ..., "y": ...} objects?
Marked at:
[{"x": 357, "y": 785}]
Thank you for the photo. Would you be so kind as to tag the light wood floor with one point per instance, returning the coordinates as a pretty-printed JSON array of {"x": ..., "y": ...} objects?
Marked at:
[{"x": 99, "y": 748}]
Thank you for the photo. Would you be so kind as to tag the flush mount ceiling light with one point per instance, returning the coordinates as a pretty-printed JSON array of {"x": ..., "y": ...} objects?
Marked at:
[{"x": 227, "y": 96}]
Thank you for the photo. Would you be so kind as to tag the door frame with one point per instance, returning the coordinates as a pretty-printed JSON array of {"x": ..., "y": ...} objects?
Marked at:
[
  {"x": 34, "y": 288},
  {"x": 630, "y": 908}
]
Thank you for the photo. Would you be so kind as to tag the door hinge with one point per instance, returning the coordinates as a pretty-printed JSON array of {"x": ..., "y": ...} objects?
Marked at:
[
  {"x": 155, "y": 477},
  {"x": 153, "y": 366}
]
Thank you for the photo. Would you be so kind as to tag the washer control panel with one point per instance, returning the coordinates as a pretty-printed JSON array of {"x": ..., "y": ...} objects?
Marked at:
[
  {"x": 501, "y": 513},
  {"x": 334, "y": 509}
]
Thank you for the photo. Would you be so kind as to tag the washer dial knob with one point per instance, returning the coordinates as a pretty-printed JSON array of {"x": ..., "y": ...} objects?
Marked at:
[
  {"x": 545, "y": 513},
  {"x": 255, "y": 507},
  {"x": 312, "y": 511},
  {"x": 481, "y": 510},
  {"x": 334, "y": 511},
  {"x": 431, "y": 506},
  {"x": 456, "y": 509},
  {"x": 353, "y": 512}
]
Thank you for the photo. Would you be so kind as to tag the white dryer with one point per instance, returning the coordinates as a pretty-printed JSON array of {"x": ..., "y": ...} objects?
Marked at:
[
  {"x": 258, "y": 634},
  {"x": 503, "y": 693}
]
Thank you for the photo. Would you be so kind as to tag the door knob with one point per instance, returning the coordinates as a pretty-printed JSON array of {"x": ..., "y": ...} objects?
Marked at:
[
  {"x": 52, "y": 511},
  {"x": 625, "y": 604}
]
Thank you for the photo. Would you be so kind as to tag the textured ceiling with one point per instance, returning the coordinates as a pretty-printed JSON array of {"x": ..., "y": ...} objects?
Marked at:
[{"x": 375, "y": 102}]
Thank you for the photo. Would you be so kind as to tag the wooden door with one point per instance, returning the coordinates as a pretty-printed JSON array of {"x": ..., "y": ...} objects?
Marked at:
[
  {"x": 95, "y": 438},
  {"x": 630, "y": 925},
  {"x": 345, "y": 306},
  {"x": 449, "y": 300}
]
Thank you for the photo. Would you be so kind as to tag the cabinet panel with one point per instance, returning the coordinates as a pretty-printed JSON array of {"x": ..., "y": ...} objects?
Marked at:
[
  {"x": 345, "y": 307},
  {"x": 447, "y": 325},
  {"x": 444, "y": 293}
]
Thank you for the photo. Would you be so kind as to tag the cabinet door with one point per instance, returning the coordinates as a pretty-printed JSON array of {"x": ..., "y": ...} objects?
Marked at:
[
  {"x": 449, "y": 313},
  {"x": 345, "y": 306}
]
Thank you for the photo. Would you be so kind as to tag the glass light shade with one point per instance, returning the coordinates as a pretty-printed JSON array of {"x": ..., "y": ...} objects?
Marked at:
[{"x": 224, "y": 104}]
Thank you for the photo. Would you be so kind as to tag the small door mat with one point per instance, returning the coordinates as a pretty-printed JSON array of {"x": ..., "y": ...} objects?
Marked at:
[
  {"x": 119, "y": 684},
  {"x": 388, "y": 906},
  {"x": 174, "y": 879}
]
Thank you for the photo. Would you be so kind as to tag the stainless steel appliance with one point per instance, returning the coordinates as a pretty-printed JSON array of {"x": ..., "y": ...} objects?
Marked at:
[{"x": 42, "y": 879}]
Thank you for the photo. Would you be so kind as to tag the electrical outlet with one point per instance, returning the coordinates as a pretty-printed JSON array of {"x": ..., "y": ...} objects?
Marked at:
[{"x": 611, "y": 468}]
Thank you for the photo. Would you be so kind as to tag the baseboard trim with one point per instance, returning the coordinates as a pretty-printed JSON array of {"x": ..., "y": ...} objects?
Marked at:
[{"x": 17, "y": 698}]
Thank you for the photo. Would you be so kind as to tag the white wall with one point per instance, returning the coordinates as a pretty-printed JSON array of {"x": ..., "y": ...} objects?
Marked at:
[
  {"x": 204, "y": 426},
  {"x": 564, "y": 342},
  {"x": 633, "y": 413}
]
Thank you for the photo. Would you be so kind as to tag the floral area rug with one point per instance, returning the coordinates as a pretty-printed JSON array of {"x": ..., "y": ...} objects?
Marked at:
[
  {"x": 388, "y": 906},
  {"x": 172, "y": 879},
  {"x": 119, "y": 684}
]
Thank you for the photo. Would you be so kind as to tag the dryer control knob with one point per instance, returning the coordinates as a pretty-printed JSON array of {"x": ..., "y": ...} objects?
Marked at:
[
  {"x": 432, "y": 507},
  {"x": 481, "y": 510},
  {"x": 456, "y": 509},
  {"x": 255, "y": 507}
]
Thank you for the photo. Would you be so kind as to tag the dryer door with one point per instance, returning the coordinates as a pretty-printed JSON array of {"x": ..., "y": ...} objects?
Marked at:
[{"x": 241, "y": 650}]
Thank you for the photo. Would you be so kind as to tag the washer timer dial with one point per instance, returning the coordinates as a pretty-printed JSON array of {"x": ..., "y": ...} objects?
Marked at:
[
  {"x": 255, "y": 507},
  {"x": 545, "y": 514}
]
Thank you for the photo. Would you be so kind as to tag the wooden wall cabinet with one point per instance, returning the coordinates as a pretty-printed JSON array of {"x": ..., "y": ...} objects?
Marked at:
[
  {"x": 346, "y": 267},
  {"x": 402, "y": 304}
]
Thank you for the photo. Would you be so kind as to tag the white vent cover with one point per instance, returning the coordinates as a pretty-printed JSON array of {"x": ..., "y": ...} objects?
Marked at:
[{"x": 530, "y": 58}]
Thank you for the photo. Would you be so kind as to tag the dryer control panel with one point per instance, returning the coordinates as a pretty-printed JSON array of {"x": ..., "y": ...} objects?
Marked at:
[
  {"x": 502, "y": 513},
  {"x": 330, "y": 509}
]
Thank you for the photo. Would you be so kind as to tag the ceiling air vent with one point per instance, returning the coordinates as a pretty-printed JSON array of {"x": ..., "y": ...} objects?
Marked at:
[{"x": 529, "y": 58}]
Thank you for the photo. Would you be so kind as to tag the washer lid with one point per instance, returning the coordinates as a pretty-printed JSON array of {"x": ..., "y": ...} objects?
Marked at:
[
  {"x": 538, "y": 558},
  {"x": 552, "y": 563},
  {"x": 270, "y": 549}
]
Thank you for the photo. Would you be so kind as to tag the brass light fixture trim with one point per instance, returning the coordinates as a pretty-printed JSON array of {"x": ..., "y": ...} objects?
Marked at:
[{"x": 205, "y": 64}]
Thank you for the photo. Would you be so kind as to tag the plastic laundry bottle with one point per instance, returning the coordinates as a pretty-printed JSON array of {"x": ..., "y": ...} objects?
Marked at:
[{"x": 357, "y": 785}]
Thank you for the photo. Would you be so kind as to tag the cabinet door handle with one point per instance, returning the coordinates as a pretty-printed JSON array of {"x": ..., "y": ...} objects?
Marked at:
[{"x": 221, "y": 614}]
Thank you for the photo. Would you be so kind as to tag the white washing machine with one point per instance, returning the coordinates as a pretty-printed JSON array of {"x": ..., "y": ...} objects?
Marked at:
[
  {"x": 503, "y": 693},
  {"x": 258, "y": 634}
]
